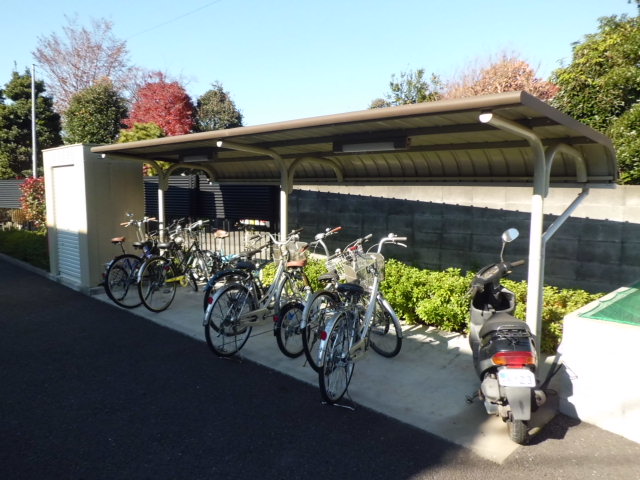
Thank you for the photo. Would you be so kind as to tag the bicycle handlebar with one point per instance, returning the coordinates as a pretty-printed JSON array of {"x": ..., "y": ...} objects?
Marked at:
[{"x": 391, "y": 238}]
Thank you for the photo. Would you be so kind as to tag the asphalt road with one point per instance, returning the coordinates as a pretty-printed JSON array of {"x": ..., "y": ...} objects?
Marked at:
[{"x": 91, "y": 391}]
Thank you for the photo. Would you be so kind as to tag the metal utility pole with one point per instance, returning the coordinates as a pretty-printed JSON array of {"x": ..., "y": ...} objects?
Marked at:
[{"x": 33, "y": 122}]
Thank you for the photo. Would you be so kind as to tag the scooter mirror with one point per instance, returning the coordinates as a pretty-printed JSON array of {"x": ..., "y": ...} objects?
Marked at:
[{"x": 510, "y": 235}]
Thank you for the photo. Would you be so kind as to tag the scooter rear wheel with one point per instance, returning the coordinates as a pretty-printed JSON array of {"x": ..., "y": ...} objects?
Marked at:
[{"x": 518, "y": 431}]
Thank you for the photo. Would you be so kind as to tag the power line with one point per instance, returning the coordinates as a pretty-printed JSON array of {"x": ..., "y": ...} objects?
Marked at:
[{"x": 174, "y": 19}]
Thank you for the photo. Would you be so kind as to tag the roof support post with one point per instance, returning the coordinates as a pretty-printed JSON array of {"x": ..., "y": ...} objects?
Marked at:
[
  {"x": 537, "y": 239},
  {"x": 286, "y": 184},
  {"x": 535, "y": 279},
  {"x": 163, "y": 186}
]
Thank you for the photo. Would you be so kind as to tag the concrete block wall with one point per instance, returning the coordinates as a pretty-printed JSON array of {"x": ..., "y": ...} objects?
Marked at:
[{"x": 597, "y": 249}]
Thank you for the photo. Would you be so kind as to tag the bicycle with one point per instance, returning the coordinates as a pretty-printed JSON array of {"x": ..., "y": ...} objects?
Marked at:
[
  {"x": 348, "y": 334},
  {"x": 121, "y": 273},
  {"x": 158, "y": 277},
  {"x": 236, "y": 267},
  {"x": 322, "y": 303},
  {"x": 237, "y": 307}
]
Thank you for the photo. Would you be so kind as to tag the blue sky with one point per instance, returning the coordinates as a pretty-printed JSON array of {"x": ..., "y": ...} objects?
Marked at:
[{"x": 288, "y": 59}]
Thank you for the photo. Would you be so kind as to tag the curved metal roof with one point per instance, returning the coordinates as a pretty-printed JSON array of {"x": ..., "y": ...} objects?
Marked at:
[{"x": 443, "y": 142}]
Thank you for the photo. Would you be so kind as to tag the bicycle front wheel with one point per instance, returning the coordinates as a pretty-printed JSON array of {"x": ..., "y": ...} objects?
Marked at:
[
  {"x": 287, "y": 330},
  {"x": 317, "y": 311},
  {"x": 219, "y": 280},
  {"x": 120, "y": 283},
  {"x": 293, "y": 288},
  {"x": 386, "y": 333},
  {"x": 199, "y": 267},
  {"x": 157, "y": 285},
  {"x": 224, "y": 328},
  {"x": 337, "y": 365}
]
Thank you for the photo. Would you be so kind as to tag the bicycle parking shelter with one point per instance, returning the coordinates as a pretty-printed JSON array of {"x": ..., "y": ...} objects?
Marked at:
[{"x": 502, "y": 140}]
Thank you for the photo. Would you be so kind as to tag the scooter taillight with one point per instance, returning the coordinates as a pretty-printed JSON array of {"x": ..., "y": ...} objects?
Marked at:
[{"x": 514, "y": 359}]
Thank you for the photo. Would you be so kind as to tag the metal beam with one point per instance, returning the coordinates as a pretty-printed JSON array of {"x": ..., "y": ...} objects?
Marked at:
[
  {"x": 535, "y": 291},
  {"x": 537, "y": 239}
]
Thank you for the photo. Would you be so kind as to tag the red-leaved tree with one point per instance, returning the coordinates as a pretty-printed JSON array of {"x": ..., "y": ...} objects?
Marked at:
[{"x": 166, "y": 104}]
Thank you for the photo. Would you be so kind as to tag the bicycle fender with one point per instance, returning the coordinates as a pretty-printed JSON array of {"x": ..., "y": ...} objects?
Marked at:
[
  {"x": 388, "y": 308},
  {"x": 212, "y": 281},
  {"x": 207, "y": 312},
  {"x": 323, "y": 343}
]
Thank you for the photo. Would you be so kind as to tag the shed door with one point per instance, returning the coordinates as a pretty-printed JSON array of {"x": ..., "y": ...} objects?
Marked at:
[{"x": 67, "y": 212}]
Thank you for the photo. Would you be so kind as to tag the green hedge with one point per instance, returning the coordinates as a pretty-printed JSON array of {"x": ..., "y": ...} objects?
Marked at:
[
  {"x": 29, "y": 246},
  {"x": 439, "y": 298}
]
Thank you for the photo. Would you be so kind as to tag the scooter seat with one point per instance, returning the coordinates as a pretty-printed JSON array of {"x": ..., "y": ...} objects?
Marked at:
[{"x": 503, "y": 321}]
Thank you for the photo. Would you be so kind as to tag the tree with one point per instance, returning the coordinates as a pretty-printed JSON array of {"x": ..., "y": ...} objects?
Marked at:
[
  {"x": 15, "y": 125},
  {"x": 625, "y": 134},
  {"x": 603, "y": 80},
  {"x": 411, "y": 87},
  {"x": 141, "y": 131},
  {"x": 144, "y": 131},
  {"x": 601, "y": 87},
  {"x": 507, "y": 74},
  {"x": 95, "y": 114},
  {"x": 216, "y": 110},
  {"x": 165, "y": 104},
  {"x": 82, "y": 56}
]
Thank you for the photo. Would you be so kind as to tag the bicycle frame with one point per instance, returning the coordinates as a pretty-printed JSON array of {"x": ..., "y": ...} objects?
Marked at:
[
  {"x": 267, "y": 302},
  {"x": 360, "y": 338}
]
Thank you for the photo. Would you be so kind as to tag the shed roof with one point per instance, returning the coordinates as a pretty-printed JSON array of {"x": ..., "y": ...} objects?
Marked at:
[{"x": 442, "y": 142}]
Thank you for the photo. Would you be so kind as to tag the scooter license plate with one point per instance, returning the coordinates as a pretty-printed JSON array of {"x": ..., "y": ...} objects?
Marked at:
[{"x": 516, "y": 377}]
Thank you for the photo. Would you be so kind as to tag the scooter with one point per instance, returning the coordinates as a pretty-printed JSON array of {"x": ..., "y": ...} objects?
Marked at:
[{"x": 503, "y": 348}]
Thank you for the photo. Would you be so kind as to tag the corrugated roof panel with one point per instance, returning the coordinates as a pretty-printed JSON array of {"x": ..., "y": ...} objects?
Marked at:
[{"x": 447, "y": 142}]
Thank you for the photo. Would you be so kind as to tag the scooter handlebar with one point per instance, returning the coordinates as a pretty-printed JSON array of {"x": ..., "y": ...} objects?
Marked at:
[{"x": 517, "y": 263}]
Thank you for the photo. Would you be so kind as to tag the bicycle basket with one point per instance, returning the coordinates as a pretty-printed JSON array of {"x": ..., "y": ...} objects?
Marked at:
[
  {"x": 292, "y": 251},
  {"x": 297, "y": 251},
  {"x": 364, "y": 270},
  {"x": 337, "y": 264}
]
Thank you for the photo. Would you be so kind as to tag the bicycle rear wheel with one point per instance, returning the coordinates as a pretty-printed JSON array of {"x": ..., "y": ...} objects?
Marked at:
[
  {"x": 157, "y": 286},
  {"x": 386, "y": 333},
  {"x": 120, "y": 283},
  {"x": 317, "y": 311},
  {"x": 337, "y": 365},
  {"x": 287, "y": 330},
  {"x": 223, "y": 328}
]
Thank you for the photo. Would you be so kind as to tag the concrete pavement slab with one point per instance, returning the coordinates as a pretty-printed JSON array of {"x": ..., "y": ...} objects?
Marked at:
[{"x": 426, "y": 385}]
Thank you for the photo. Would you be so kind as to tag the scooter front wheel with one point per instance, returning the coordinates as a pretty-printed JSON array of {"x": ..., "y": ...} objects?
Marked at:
[{"x": 518, "y": 431}]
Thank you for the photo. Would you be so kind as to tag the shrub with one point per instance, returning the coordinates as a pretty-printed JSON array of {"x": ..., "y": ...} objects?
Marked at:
[
  {"x": 28, "y": 246},
  {"x": 33, "y": 201},
  {"x": 440, "y": 299},
  {"x": 313, "y": 269}
]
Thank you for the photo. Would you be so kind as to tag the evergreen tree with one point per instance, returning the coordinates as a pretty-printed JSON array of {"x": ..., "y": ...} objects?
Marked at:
[
  {"x": 95, "y": 114},
  {"x": 411, "y": 87},
  {"x": 216, "y": 110},
  {"x": 603, "y": 80},
  {"x": 601, "y": 87},
  {"x": 15, "y": 126}
]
